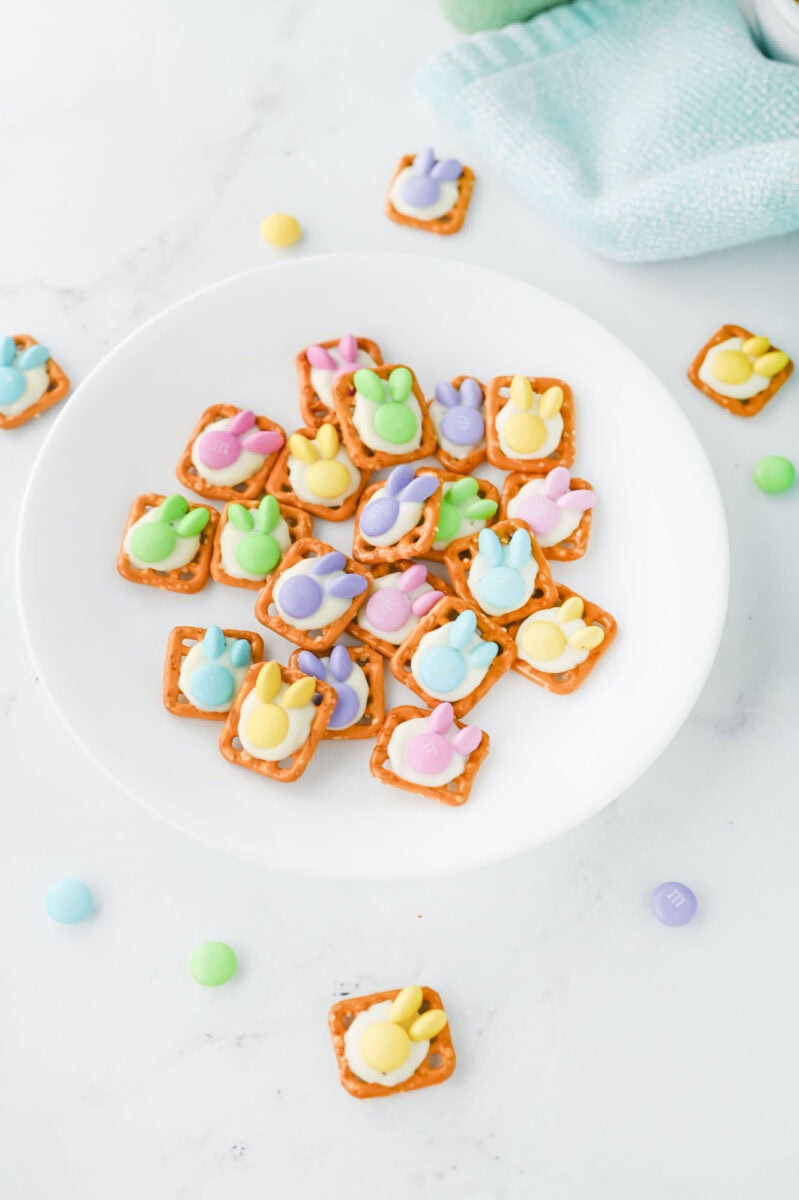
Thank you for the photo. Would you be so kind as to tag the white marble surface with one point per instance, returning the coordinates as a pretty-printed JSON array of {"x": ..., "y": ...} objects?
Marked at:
[{"x": 600, "y": 1055}]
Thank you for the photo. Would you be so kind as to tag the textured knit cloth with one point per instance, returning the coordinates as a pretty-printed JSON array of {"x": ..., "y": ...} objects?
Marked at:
[
  {"x": 650, "y": 129},
  {"x": 472, "y": 15}
]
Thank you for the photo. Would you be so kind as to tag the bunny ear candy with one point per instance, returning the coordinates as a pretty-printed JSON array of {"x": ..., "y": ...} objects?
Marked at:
[
  {"x": 556, "y": 508},
  {"x": 529, "y": 423},
  {"x": 383, "y": 416},
  {"x": 252, "y": 537},
  {"x": 315, "y": 472},
  {"x": 230, "y": 454},
  {"x": 400, "y": 595},
  {"x": 397, "y": 519},
  {"x": 319, "y": 366},
  {"x": 429, "y": 753},
  {"x": 168, "y": 543},
  {"x": 426, "y": 193},
  {"x": 30, "y": 380},
  {"x": 467, "y": 506},
  {"x": 205, "y": 668},
  {"x": 502, "y": 570},
  {"x": 560, "y": 644},
  {"x": 457, "y": 411},
  {"x": 356, "y": 675}
]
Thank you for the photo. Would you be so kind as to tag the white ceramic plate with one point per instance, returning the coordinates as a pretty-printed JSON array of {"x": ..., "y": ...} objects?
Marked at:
[{"x": 659, "y": 543}]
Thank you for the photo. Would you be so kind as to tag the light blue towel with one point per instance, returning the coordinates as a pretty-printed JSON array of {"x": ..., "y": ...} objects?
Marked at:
[{"x": 650, "y": 129}]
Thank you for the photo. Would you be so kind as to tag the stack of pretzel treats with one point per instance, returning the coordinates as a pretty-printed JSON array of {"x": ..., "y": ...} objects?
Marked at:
[{"x": 446, "y": 580}]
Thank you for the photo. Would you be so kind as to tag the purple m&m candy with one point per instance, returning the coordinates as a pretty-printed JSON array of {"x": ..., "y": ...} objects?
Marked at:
[
  {"x": 420, "y": 190},
  {"x": 300, "y": 596},
  {"x": 673, "y": 903},
  {"x": 463, "y": 426},
  {"x": 378, "y": 516}
]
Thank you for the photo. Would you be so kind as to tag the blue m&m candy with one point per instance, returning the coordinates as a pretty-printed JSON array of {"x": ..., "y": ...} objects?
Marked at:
[
  {"x": 212, "y": 685},
  {"x": 69, "y": 901},
  {"x": 673, "y": 903}
]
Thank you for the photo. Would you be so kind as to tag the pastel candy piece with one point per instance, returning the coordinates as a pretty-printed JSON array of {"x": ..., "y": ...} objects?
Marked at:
[
  {"x": 240, "y": 422},
  {"x": 212, "y": 963},
  {"x": 320, "y": 358},
  {"x": 264, "y": 441},
  {"x": 334, "y": 560},
  {"x": 348, "y": 349},
  {"x": 347, "y": 705},
  {"x": 396, "y": 423},
  {"x": 241, "y": 653},
  {"x": 153, "y": 541},
  {"x": 406, "y": 1004},
  {"x": 281, "y": 229},
  {"x": 34, "y": 356},
  {"x": 674, "y": 903},
  {"x": 218, "y": 448},
  {"x": 69, "y": 901},
  {"x": 428, "y": 1025},
  {"x": 213, "y": 642},
  {"x": 328, "y": 479},
  {"x": 385, "y": 1046},
  {"x": 422, "y": 604},
  {"x": 212, "y": 685},
  {"x": 424, "y": 161},
  {"x": 442, "y": 669},
  {"x": 300, "y": 596},
  {"x": 756, "y": 346},
  {"x": 388, "y": 609},
  {"x": 8, "y": 350},
  {"x": 448, "y": 168},
  {"x": 731, "y": 366},
  {"x": 310, "y": 664},
  {"x": 540, "y": 513},
  {"x": 413, "y": 578},
  {"x": 340, "y": 663},
  {"x": 774, "y": 474},
  {"x": 420, "y": 190},
  {"x": 557, "y": 482},
  {"x": 379, "y": 515},
  {"x": 463, "y": 426},
  {"x": 258, "y": 553},
  {"x": 428, "y": 753},
  {"x": 502, "y": 587},
  {"x": 447, "y": 395},
  {"x": 772, "y": 363},
  {"x": 12, "y": 385}
]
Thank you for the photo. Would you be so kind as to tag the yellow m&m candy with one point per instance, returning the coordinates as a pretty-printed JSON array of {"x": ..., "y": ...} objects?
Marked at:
[
  {"x": 267, "y": 726},
  {"x": 731, "y": 366},
  {"x": 281, "y": 229},
  {"x": 385, "y": 1046},
  {"x": 543, "y": 641}
]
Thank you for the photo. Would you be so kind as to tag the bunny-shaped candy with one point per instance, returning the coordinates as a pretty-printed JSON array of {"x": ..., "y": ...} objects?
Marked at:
[
  {"x": 232, "y": 449},
  {"x": 317, "y": 591},
  {"x": 24, "y": 377},
  {"x": 166, "y": 537},
  {"x": 349, "y": 681},
  {"x": 502, "y": 578},
  {"x": 213, "y": 671},
  {"x": 397, "y": 507},
  {"x": 452, "y": 660}
]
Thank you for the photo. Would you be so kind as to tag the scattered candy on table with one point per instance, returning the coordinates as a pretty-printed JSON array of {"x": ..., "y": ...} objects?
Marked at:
[
  {"x": 739, "y": 370},
  {"x": 673, "y": 903},
  {"x": 69, "y": 901},
  {"x": 281, "y": 229},
  {"x": 774, "y": 474},
  {"x": 212, "y": 963},
  {"x": 429, "y": 193}
]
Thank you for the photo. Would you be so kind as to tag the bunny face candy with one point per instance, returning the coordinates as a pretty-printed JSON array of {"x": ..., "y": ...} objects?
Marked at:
[
  {"x": 395, "y": 604},
  {"x": 277, "y": 721},
  {"x": 467, "y": 505},
  {"x": 313, "y": 595},
  {"x": 557, "y": 647},
  {"x": 555, "y": 508},
  {"x": 205, "y": 668},
  {"x": 429, "y": 753},
  {"x": 315, "y": 472},
  {"x": 502, "y": 570},
  {"x": 457, "y": 411},
  {"x": 397, "y": 519},
  {"x": 394, "y": 1041},
  {"x": 252, "y": 539},
  {"x": 318, "y": 367},
  {"x": 430, "y": 194},
  {"x": 167, "y": 543},
  {"x": 30, "y": 381},
  {"x": 529, "y": 423},
  {"x": 356, "y": 675},
  {"x": 384, "y": 418},
  {"x": 455, "y": 654},
  {"x": 230, "y": 453},
  {"x": 739, "y": 370}
]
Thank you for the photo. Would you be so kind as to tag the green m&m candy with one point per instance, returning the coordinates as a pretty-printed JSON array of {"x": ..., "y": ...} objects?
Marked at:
[
  {"x": 212, "y": 963},
  {"x": 774, "y": 474},
  {"x": 258, "y": 553}
]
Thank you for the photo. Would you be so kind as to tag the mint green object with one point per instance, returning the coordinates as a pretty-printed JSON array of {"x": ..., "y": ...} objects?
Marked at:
[
  {"x": 212, "y": 963},
  {"x": 648, "y": 129},
  {"x": 471, "y": 15},
  {"x": 774, "y": 474}
]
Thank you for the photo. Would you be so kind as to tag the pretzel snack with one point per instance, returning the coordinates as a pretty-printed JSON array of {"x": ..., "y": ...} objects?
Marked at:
[
  {"x": 485, "y": 491},
  {"x": 314, "y": 411},
  {"x": 362, "y": 455},
  {"x": 561, "y": 456},
  {"x": 252, "y": 488},
  {"x": 470, "y": 463},
  {"x": 56, "y": 389},
  {"x": 279, "y": 484},
  {"x": 381, "y": 645},
  {"x": 182, "y": 639},
  {"x": 569, "y": 681},
  {"x": 453, "y": 794},
  {"x": 415, "y": 543},
  {"x": 300, "y": 525},
  {"x": 458, "y": 559},
  {"x": 371, "y": 663},
  {"x": 738, "y": 408},
  {"x": 576, "y": 544},
  {"x": 451, "y": 221},
  {"x": 187, "y": 580}
]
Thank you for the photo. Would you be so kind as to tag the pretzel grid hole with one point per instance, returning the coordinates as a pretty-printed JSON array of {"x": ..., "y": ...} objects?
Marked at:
[{"x": 285, "y": 764}]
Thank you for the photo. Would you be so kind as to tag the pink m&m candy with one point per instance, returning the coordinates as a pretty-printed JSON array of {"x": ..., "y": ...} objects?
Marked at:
[
  {"x": 217, "y": 448},
  {"x": 388, "y": 609},
  {"x": 429, "y": 753}
]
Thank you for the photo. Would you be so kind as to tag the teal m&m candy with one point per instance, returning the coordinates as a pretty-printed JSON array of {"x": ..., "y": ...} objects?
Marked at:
[
  {"x": 774, "y": 474},
  {"x": 69, "y": 901},
  {"x": 212, "y": 963}
]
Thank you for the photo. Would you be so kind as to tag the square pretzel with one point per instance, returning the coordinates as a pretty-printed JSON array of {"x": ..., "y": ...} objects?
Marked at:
[
  {"x": 429, "y": 1073},
  {"x": 561, "y": 456},
  {"x": 182, "y": 639},
  {"x": 485, "y": 491},
  {"x": 57, "y": 388},
  {"x": 443, "y": 614},
  {"x": 413, "y": 544},
  {"x": 451, "y": 221},
  {"x": 187, "y": 580},
  {"x": 300, "y": 525},
  {"x": 739, "y": 408},
  {"x": 307, "y": 548},
  {"x": 456, "y": 792},
  {"x": 371, "y": 663},
  {"x": 314, "y": 410},
  {"x": 252, "y": 488},
  {"x": 569, "y": 681},
  {"x": 381, "y": 645},
  {"x": 470, "y": 462},
  {"x": 299, "y": 760},
  {"x": 279, "y": 483},
  {"x": 572, "y": 547},
  {"x": 363, "y": 455},
  {"x": 458, "y": 559}
]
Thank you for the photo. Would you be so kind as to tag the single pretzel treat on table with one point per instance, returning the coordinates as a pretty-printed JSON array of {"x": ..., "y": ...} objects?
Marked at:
[
  {"x": 397, "y": 518},
  {"x": 168, "y": 543},
  {"x": 356, "y": 674},
  {"x": 314, "y": 472},
  {"x": 529, "y": 423},
  {"x": 319, "y": 366},
  {"x": 383, "y": 416},
  {"x": 230, "y": 454},
  {"x": 399, "y": 595},
  {"x": 457, "y": 411},
  {"x": 277, "y": 720},
  {"x": 455, "y": 654},
  {"x": 429, "y": 193},
  {"x": 388, "y": 1042},
  {"x": 30, "y": 380},
  {"x": 555, "y": 507},
  {"x": 739, "y": 370},
  {"x": 502, "y": 570},
  {"x": 467, "y": 505},
  {"x": 558, "y": 646},
  {"x": 205, "y": 668},
  {"x": 429, "y": 753},
  {"x": 313, "y": 595},
  {"x": 251, "y": 539}
]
